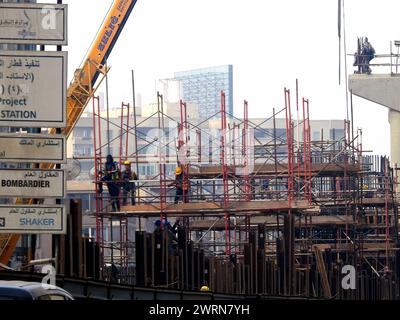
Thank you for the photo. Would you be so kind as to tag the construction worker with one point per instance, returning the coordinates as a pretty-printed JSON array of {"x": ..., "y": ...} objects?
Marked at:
[
  {"x": 167, "y": 225},
  {"x": 111, "y": 168},
  {"x": 172, "y": 232},
  {"x": 368, "y": 53},
  {"x": 181, "y": 185},
  {"x": 111, "y": 177},
  {"x": 128, "y": 185},
  {"x": 205, "y": 288},
  {"x": 358, "y": 61},
  {"x": 264, "y": 190},
  {"x": 366, "y": 192}
]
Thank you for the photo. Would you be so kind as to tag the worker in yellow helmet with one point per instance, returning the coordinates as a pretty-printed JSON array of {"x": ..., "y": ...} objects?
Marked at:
[
  {"x": 205, "y": 288},
  {"x": 181, "y": 185},
  {"x": 128, "y": 184}
]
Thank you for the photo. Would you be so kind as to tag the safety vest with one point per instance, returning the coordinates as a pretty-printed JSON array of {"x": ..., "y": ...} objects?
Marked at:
[{"x": 112, "y": 170}]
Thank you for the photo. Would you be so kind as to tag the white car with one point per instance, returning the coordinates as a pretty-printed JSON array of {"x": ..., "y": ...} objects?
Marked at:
[{"x": 21, "y": 290}]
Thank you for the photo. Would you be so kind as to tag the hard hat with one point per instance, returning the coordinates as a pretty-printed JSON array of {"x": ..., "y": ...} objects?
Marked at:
[
  {"x": 127, "y": 162},
  {"x": 157, "y": 223},
  {"x": 205, "y": 288},
  {"x": 178, "y": 171}
]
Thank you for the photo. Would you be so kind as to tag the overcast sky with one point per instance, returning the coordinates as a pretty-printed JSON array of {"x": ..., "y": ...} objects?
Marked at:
[{"x": 269, "y": 43}]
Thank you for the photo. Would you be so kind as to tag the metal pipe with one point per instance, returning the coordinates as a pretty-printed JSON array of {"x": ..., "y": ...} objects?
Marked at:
[
  {"x": 135, "y": 127},
  {"x": 121, "y": 135},
  {"x": 108, "y": 114}
]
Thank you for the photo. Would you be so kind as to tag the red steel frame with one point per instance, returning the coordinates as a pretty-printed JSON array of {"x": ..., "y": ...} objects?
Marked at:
[
  {"x": 307, "y": 151},
  {"x": 183, "y": 143},
  {"x": 162, "y": 160},
  {"x": 97, "y": 168},
  {"x": 309, "y": 167},
  {"x": 225, "y": 173},
  {"x": 245, "y": 152},
  {"x": 386, "y": 177},
  {"x": 290, "y": 147},
  {"x": 233, "y": 156},
  {"x": 180, "y": 130},
  {"x": 98, "y": 158},
  {"x": 298, "y": 154}
]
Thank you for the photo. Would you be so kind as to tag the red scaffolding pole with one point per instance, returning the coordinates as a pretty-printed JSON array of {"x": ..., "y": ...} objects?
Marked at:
[
  {"x": 162, "y": 160},
  {"x": 307, "y": 152},
  {"x": 183, "y": 149},
  {"x": 309, "y": 162},
  {"x": 225, "y": 173},
  {"x": 232, "y": 149},
  {"x": 298, "y": 153},
  {"x": 97, "y": 167},
  {"x": 290, "y": 148},
  {"x": 386, "y": 175},
  {"x": 245, "y": 152}
]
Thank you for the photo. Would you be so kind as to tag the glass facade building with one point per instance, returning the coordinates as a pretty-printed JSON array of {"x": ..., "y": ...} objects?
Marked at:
[{"x": 203, "y": 87}]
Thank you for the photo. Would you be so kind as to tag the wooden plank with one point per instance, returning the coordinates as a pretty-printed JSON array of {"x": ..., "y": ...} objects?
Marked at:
[
  {"x": 322, "y": 272},
  {"x": 211, "y": 208}
]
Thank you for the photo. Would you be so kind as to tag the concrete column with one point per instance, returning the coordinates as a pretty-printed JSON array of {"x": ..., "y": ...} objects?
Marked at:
[{"x": 394, "y": 120}]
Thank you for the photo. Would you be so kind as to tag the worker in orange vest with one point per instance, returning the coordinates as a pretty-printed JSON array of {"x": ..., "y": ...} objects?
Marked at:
[{"x": 181, "y": 184}]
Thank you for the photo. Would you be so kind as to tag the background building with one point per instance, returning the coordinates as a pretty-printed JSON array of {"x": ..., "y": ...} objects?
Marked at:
[{"x": 203, "y": 87}]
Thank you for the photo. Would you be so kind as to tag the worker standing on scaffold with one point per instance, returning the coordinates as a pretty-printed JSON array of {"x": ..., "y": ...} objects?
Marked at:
[
  {"x": 368, "y": 53},
  {"x": 128, "y": 185},
  {"x": 181, "y": 184},
  {"x": 111, "y": 177}
]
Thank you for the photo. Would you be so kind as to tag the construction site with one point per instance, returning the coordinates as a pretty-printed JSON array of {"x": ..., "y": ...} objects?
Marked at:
[
  {"x": 282, "y": 217},
  {"x": 256, "y": 212}
]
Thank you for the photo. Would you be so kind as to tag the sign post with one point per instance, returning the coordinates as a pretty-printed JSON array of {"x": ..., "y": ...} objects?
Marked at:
[
  {"x": 33, "y": 89},
  {"x": 32, "y": 148},
  {"x": 33, "y": 94},
  {"x": 33, "y": 23},
  {"x": 32, "y": 183},
  {"x": 31, "y": 220}
]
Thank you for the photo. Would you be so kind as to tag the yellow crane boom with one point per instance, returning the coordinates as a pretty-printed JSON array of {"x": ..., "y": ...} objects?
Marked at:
[{"x": 83, "y": 87}]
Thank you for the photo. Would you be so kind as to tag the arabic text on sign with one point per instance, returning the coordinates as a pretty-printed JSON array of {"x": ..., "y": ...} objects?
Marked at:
[{"x": 19, "y": 23}]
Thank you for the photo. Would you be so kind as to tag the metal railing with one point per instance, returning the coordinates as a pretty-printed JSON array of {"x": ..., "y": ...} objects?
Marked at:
[{"x": 390, "y": 61}]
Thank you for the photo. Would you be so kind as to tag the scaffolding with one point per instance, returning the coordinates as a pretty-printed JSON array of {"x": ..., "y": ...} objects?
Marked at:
[{"x": 281, "y": 215}]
